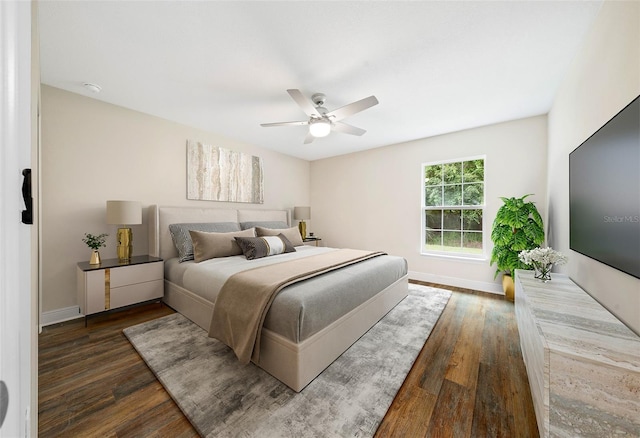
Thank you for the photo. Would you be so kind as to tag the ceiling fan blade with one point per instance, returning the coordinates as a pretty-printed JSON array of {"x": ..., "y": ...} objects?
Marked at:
[
  {"x": 309, "y": 138},
  {"x": 352, "y": 108},
  {"x": 305, "y": 104},
  {"x": 284, "y": 124},
  {"x": 347, "y": 129}
]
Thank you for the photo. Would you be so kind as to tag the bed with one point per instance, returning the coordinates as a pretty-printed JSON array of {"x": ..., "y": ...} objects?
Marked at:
[{"x": 305, "y": 330}]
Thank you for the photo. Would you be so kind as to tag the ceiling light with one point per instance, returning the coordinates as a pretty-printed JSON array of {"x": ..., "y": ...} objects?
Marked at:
[
  {"x": 319, "y": 128},
  {"x": 94, "y": 88}
]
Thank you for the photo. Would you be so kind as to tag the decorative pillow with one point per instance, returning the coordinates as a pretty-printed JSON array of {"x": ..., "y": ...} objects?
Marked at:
[
  {"x": 263, "y": 224},
  {"x": 212, "y": 245},
  {"x": 293, "y": 234},
  {"x": 182, "y": 239},
  {"x": 258, "y": 247}
]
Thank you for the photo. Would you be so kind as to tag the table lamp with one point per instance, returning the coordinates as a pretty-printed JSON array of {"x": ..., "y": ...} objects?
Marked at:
[
  {"x": 124, "y": 213},
  {"x": 302, "y": 214}
]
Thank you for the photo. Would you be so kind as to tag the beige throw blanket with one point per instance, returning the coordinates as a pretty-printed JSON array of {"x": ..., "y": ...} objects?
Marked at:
[{"x": 245, "y": 298}]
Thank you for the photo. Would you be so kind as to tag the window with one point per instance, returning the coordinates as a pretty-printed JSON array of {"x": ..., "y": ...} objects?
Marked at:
[{"x": 452, "y": 208}]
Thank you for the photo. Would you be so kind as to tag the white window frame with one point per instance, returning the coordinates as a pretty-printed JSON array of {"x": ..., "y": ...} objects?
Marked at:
[{"x": 424, "y": 208}]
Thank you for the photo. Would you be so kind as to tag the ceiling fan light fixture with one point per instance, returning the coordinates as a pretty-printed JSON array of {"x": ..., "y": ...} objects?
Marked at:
[
  {"x": 319, "y": 128},
  {"x": 322, "y": 122}
]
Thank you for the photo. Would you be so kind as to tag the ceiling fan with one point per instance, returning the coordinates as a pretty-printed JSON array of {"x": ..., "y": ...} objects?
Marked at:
[{"x": 321, "y": 121}]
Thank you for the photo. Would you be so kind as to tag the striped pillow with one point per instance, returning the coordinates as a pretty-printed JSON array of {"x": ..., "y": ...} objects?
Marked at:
[
  {"x": 259, "y": 247},
  {"x": 293, "y": 234}
]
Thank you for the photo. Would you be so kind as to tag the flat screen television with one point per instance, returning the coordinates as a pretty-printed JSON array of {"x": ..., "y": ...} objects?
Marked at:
[{"x": 604, "y": 193}]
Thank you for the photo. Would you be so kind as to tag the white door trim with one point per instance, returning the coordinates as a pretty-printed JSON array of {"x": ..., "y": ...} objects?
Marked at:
[{"x": 17, "y": 367}]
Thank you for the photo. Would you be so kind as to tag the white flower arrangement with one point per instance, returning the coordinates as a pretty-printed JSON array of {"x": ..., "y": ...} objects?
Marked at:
[
  {"x": 542, "y": 256},
  {"x": 542, "y": 260}
]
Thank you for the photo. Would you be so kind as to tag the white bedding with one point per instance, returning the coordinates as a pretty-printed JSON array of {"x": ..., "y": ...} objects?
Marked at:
[
  {"x": 302, "y": 309},
  {"x": 206, "y": 278}
]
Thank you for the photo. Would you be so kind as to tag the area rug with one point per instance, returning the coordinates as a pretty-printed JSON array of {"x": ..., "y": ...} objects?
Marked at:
[{"x": 222, "y": 398}]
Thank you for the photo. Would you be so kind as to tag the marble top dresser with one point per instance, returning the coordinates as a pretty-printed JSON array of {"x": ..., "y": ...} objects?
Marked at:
[{"x": 583, "y": 364}]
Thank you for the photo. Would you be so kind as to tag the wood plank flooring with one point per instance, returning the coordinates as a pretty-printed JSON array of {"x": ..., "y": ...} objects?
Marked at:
[{"x": 468, "y": 381}]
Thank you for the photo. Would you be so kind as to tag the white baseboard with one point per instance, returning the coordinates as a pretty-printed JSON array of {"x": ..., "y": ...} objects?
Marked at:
[
  {"x": 493, "y": 288},
  {"x": 60, "y": 315},
  {"x": 73, "y": 312}
]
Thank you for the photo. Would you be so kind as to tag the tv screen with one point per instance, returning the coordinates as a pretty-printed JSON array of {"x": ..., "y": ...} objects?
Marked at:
[{"x": 604, "y": 193}]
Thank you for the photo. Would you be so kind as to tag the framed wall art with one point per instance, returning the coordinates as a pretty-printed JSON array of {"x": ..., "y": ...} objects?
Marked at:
[{"x": 219, "y": 174}]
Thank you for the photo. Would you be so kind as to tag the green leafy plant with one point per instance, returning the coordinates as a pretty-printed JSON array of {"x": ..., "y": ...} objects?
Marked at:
[
  {"x": 95, "y": 242},
  {"x": 517, "y": 227}
]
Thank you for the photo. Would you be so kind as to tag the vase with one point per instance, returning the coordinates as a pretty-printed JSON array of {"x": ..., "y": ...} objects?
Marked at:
[
  {"x": 95, "y": 258},
  {"x": 508, "y": 287},
  {"x": 542, "y": 271}
]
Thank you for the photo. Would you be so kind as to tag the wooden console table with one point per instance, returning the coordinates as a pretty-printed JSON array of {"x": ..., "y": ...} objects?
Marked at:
[{"x": 583, "y": 363}]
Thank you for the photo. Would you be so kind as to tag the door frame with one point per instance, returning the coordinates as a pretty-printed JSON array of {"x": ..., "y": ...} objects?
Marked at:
[{"x": 18, "y": 289}]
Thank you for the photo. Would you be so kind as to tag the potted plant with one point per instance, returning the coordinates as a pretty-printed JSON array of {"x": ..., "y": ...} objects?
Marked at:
[
  {"x": 95, "y": 242},
  {"x": 517, "y": 227}
]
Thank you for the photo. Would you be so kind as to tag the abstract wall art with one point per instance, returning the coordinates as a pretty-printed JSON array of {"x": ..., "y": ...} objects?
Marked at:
[{"x": 218, "y": 174}]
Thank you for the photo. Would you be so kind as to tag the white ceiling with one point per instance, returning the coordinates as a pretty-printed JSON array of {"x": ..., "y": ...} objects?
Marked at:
[{"x": 224, "y": 66}]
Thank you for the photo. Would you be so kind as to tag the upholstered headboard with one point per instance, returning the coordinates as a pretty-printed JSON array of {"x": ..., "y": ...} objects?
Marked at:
[{"x": 160, "y": 242}]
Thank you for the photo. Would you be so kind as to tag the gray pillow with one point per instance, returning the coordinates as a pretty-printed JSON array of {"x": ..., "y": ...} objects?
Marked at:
[
  {"x": 263, "y": 224},
  {"x": 293, "y": 234},
  {"x": 258, "y": 247},
  {"x": 182, "y": 239}
]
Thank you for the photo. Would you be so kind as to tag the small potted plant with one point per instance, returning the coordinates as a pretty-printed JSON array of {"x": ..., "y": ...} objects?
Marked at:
[
  {"x": 95, "y": 242},
  {"x": 516, "y": 228}
]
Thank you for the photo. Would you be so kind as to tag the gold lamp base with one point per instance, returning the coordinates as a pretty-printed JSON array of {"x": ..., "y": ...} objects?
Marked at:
[
  {"x": 125, "y": 247},
  {"x": 302, "y": 226}
]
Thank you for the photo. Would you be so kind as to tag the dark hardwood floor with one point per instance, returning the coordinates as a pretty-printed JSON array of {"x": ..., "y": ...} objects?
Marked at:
[{"x": 468, "y": 381}]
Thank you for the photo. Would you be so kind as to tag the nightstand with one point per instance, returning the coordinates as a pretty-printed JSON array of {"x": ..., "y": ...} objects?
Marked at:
[
  {"x": 312, "y": 240},
  {"x": 112, "y": 284}
]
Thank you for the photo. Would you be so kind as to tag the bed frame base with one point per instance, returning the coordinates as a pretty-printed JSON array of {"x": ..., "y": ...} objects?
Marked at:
[{"x": 296, "y": 365}]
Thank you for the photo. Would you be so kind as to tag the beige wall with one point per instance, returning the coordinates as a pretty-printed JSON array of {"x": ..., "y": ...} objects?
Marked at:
[
  {"x": 93, "y": 151},
  {"x": 372, "y": 199},
  {"x": 365, "y": 200},
  {"x": 604, "y": 77}
]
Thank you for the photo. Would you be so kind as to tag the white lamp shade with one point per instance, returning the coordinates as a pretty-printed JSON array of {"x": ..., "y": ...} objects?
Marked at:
[
  {"x": 302, "y": 213},
  {"x": 320, "y": 128},
  {"x": 124, "y": 213}
]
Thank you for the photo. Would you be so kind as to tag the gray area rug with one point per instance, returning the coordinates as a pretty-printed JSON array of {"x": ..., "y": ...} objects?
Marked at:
[{"x": 222, "y": 398}]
